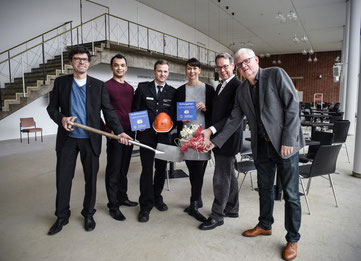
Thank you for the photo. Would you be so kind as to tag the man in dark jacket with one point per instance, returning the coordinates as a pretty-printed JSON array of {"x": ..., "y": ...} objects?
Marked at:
[
  {"x": 155, "y": 97},
  {"x": 225, "y": 185},
  {"x": 80, "y": 97}
]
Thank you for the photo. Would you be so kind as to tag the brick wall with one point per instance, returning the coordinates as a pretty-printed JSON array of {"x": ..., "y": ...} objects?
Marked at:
[{"x": 296, "y": 65}]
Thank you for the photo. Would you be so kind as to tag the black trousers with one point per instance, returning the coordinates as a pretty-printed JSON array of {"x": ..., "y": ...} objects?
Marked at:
[
  {"x": 151, "y": 191},
  {"x": 196, "y": 170},
  {"x": 116, "y": 182},
  {"x": 65, "y": 168}
]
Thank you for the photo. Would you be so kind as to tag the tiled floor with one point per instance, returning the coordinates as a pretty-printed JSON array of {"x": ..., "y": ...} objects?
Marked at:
[{"x": 27, "y": 201}]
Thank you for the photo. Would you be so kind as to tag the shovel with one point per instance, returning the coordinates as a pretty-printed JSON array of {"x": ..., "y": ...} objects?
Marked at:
[{"x": 115, "y": 137}]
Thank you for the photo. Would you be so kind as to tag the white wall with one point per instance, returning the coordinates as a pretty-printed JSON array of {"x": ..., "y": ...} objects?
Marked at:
[
  {"x": 10, "y": 129},
  {"x": 21, "y": 20}
]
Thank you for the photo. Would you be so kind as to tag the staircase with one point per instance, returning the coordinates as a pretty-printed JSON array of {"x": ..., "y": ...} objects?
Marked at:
[
  {"x": 12, "y": 96},
  {"x": 103, "y": 31}
]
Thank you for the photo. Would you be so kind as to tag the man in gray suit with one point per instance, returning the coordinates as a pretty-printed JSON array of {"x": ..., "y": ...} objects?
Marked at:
[{"x": 270, "y": 102}]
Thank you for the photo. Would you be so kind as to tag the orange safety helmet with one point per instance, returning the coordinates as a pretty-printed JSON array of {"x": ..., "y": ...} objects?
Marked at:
[{"x": 162, "y": 123}]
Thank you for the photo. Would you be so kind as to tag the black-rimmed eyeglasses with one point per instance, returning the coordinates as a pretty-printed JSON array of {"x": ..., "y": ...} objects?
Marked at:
[
  {"x": 78, "y": 59},
  {"x": 224, "y": 67},
  {"x": 245, "y": 61}
]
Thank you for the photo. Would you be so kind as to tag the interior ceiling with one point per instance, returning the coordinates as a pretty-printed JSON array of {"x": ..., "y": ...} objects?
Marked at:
[{"x": 254, "y": 22}]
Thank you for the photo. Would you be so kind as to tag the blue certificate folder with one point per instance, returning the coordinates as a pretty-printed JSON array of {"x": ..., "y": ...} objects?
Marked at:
[
  {"x": 186, "y": 111},
  {"x": 139, "y": 120}
]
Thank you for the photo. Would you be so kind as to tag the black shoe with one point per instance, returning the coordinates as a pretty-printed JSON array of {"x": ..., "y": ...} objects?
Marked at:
[
  {"x": 200, "y": 205},
  {"x": 143, "y": 216},
  {"x": 89, "y": 223},
  {"x": 58, "y": 226},
  {"x": 210, "y": 223},
  {"x": 116, "y": 214},
  {"x": 128, "y": 203},
  {"x": 160, "y": 205},
  {"x": 193, "y": 211},
  {"x": 231, "y": 215}
]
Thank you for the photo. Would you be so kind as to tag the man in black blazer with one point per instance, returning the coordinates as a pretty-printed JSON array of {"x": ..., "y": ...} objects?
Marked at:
[
  {"x": 80, "y": 97},
  {"x": 270, "y": 102},
  {"x": 155, "y": 97},
  {"x": 225, "y": 185}
]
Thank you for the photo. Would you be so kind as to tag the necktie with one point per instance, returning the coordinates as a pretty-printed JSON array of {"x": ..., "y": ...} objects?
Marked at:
[
  {"x": 159, "y": 91},
  {"x": 219, "y": 88}
]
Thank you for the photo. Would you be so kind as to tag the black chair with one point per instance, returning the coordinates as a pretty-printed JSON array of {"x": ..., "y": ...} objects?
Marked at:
[
  {"x": 340, "y": 131},
  {"x": 245, "y": 166},
  {"x": 335, "y": 108},
  {"x": 324, "y": 163},
  {"x": 323, "y": 138}
]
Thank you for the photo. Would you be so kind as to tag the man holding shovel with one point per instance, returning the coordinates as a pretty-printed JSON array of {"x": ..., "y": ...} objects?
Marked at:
[{"x": 82, "y": 97}]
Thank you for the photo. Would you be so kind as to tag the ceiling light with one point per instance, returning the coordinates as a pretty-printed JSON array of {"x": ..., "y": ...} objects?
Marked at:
[
  {"x": 295, "y": 39},
  {"x": 304, "y": 38},
  {"x": 267, "y": 55},
  {"x": 309, "y": 59},
  {"x": 304, "y": 52},
  {"x": 261, "y": 55},
  {"x": 280, "y": 17},
  {"x": 315, "y": 59},
  {"x": 279, "y": 61},
  {"x": 311, "y": 51},
  {"x": 292, "y": 16},
  {"x": 274, "y": 62}
]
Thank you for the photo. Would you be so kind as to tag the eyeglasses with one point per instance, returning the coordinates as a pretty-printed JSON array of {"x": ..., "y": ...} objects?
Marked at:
[
  {"x": 78, "y": 59},
  {"x": 224, "y": 67},
  {"x": 245, "y": 61}
]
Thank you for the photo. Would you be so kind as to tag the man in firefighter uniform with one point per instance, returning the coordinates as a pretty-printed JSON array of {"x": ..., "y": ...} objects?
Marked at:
[{"x": 157, "y": 97}]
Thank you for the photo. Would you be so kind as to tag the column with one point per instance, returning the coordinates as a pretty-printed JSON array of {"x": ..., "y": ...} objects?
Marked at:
[
  {"x": 353, "y": 64},
  {"x": 344, "y": 59},
  {"x": 356, "y": 172}
]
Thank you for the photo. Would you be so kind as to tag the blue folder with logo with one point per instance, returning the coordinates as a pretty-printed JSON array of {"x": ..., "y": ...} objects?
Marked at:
[
  {"x": 139, "y": 120},
  {"x": 186, "y": 111}
]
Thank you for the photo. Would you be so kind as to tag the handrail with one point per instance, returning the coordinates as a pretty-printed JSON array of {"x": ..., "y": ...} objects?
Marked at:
[
  {"x": 47, "y": 45},
  {"x": 73, "y": 28},
  {"x": 35, "y": 37},
  {"x": 11, "y": 57},
  {"x": 155, "y": 30}
]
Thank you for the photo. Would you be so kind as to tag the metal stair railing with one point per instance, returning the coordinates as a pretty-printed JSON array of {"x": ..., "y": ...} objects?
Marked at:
[{"x": 36, "y": 52}]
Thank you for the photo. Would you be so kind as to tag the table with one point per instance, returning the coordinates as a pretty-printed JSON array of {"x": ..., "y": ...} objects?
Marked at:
[{"x": 316, "y": 124}]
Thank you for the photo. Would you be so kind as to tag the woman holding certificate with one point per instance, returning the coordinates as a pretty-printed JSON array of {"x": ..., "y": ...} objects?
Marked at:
[{"x": 202, "y": 95}]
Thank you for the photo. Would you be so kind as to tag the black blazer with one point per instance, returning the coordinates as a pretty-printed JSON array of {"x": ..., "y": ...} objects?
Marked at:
[
  {"x": 97, "y": 99},
  {"x": 145, "y": 99},
  {"x": 222, "y": 108},
  {"x": 180, "y": 96}
]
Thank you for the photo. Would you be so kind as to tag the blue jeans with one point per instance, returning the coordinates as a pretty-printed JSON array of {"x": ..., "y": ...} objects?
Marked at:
[{"x": 266, "y": 163}]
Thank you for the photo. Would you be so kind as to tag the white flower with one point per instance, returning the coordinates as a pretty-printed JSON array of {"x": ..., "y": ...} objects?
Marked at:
[{"x": 189, "y": 131}]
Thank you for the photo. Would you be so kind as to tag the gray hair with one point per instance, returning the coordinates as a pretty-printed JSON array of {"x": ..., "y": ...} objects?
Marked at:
[
  {"x": 226, "y": 56},
  {"x": 242, "y": 51}
]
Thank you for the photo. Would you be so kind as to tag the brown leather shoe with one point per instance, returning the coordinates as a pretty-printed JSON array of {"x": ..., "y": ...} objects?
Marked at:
[
  {"x": 290, "y": 251},
  {"x": 256, "y": 231}
]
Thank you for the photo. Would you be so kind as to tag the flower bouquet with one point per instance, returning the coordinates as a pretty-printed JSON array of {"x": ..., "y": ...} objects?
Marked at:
[{"x": 191, "y": 138}]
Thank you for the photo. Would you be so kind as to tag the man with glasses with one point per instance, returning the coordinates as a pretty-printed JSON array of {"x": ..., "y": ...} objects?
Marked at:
[
  {"x": 79, "y": 97},
  {"x": 270, "y": 102},
  {"x": 225, "y": 185}
]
